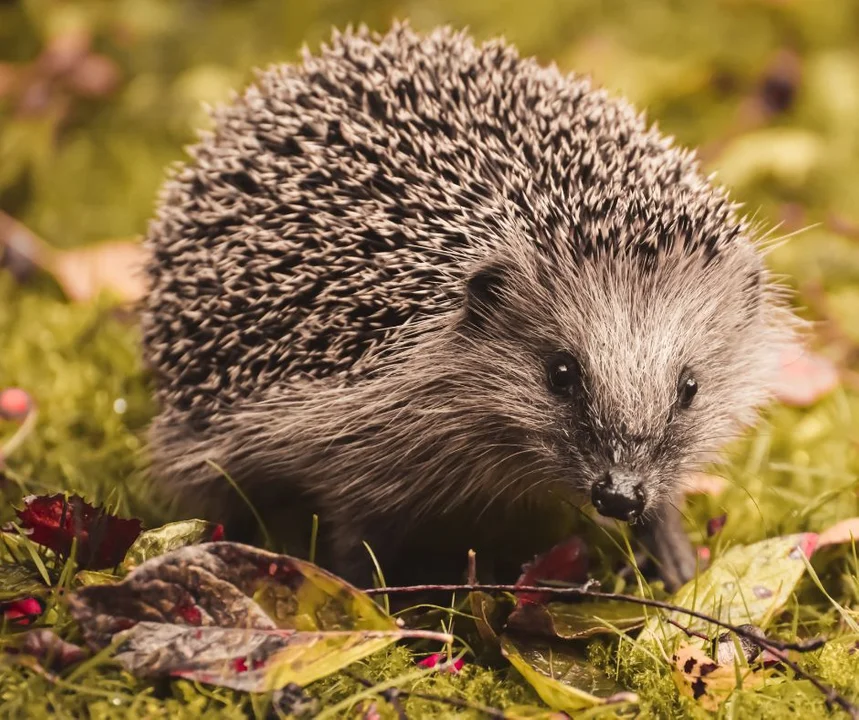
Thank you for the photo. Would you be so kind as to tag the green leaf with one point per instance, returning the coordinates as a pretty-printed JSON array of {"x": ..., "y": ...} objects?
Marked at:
[
  {"x": 85, "y": 578},
  {"x": 573, "y": 621},
  {"x": 19, "y": 581},
  {"x": 152, "y": 543},
  {"x": 745, "y": 585},
  {"x": 319, "y": 601},
  {"x": 563, "y": 679}
]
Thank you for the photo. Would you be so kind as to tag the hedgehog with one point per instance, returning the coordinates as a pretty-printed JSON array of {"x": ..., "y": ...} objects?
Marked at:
[{"x": 413, "y": 277}]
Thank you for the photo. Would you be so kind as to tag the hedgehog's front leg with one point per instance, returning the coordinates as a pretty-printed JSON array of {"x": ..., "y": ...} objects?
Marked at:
[{"x": 666, "y": 539}]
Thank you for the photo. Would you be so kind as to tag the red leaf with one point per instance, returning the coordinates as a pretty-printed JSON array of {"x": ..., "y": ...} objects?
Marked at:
[
  {"x": 436, "y": 658},
  {"x": 21, "y": 612},
  {"x": 55, "y": 521},
  {"x": 567, "y": 561},
  {"x": 715, "y": 524}
]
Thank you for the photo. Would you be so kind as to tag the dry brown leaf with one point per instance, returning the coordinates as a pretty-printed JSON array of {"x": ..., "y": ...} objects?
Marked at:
[
  {"x": 115, "y": 266},
  {"x": 698, "y": 676},
  {"x": 82, "y": 273}
]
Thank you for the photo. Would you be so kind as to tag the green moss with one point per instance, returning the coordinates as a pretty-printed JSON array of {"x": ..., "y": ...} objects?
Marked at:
[{"x": 694, "y": 65}]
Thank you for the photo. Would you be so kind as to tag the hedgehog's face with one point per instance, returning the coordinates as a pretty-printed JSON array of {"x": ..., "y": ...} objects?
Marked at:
[{"x": 633, "y": 375}]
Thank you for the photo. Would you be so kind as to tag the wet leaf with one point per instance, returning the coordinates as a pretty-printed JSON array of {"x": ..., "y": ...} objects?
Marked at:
[
  {"x": 747, "y": 584},
  {"x": 573, "y": 621},
  {"x": 152, "y": 543},
  {"x": 698, "y": 676},
  {"x": 566, "y": 561},
  {"x": 233, "y": 615},
  {"x": 56, "y": 520},
  {"x": 563, "y": 680}
]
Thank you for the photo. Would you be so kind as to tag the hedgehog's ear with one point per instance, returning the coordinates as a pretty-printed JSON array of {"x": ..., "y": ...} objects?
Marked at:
[{"x": 484, "y": 291}]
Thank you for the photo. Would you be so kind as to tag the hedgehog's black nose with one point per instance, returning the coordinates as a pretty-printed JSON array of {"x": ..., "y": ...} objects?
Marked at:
[{"x": 619, "y": 495}]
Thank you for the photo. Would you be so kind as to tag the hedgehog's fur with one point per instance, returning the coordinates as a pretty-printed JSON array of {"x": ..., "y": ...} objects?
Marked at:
[{"x": 356, "y": 282}]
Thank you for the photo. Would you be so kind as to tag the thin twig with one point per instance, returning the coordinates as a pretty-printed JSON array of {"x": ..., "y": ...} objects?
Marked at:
[
  {"x": 585, "y": 591},
  {"x": 392, "y": 696},
  {"x": 831, "y": 695},
  {"x": 689, "y": 632}
]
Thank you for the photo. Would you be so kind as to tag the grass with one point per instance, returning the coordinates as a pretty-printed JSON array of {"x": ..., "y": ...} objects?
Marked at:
[{"x": 797, "y": 165}]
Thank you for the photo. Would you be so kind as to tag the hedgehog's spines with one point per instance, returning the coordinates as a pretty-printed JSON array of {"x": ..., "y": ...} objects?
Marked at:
[{"x": 321, "y": 238}]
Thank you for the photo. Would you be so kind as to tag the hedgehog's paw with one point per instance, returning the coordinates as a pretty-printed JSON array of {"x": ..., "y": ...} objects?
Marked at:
[{"x": 668, "y": 543}]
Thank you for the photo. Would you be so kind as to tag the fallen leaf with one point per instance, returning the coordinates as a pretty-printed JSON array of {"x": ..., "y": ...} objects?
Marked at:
[
  {"x": 846, "y": 531},
  {"x": 232, "y": 615},
  {"x": 433, "y": 660},
  {"x": 490, "y": 613},
  {"x": 115, "y": 266},
  {"x": 21, "y": 612},
  {"x": 566, "y": 561},
  {"x": 83, "y": 578},
  {"x": 698, "y": 676},
  {"x": 747, "y": 584},
  {"x": 82, "y": 273},
  {"x": 576, "y": 620},
  {"x": 257, "y": 660},
  {"x": 804, "y": 377},
  {"x": 19, "y": 580},
  {"x": 56, "y": 520},
  {"x": 49, "y": 648},
  {"x": 715, "y": 524},
  {"x": 152, "y": 543},
  {"x": 95, "y": 75},
  {"x": 563, "y": 680}
]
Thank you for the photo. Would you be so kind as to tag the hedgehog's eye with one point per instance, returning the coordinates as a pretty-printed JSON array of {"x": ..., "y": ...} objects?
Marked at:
[
  {"x": 687, "y": 388},
  {"x": 562, "y": 372}
]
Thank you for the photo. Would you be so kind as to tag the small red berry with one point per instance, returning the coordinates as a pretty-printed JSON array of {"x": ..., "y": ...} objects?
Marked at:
[{"x": 14, "y": 404}]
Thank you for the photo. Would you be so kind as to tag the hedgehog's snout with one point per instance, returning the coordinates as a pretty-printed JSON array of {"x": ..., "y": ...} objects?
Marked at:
[{"x": 619, "y": 494}]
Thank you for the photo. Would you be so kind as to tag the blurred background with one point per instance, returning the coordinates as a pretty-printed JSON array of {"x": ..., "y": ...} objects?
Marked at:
[{"x": 97, "y": 98}]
